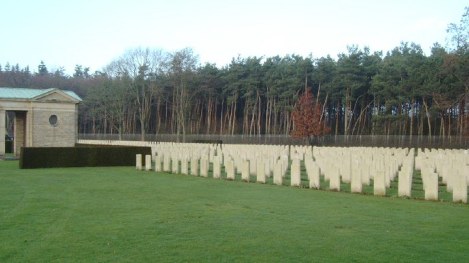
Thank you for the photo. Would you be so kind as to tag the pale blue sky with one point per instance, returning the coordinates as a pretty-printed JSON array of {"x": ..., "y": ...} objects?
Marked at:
[{"x": 94, "y": 32}]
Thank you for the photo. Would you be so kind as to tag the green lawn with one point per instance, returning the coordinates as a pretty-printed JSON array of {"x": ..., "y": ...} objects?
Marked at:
[{"x": 123, "y": 215}]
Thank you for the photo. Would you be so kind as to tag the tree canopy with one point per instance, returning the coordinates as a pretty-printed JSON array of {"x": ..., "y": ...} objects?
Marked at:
[{"x": 151, "y": 91}]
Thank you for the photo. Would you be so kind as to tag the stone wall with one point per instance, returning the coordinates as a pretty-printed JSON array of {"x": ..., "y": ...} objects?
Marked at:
[{"x": 54, "y": 126}]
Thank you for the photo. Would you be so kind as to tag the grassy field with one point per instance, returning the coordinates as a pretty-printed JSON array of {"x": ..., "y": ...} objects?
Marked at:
[{"x": 122, "y": 215}]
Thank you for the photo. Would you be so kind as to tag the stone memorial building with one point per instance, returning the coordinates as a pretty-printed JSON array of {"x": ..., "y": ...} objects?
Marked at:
[{"x": 41, "y": 118}]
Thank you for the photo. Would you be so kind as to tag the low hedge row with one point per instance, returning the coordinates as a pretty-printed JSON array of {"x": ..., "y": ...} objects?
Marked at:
[{"x": 83, "y": 156}]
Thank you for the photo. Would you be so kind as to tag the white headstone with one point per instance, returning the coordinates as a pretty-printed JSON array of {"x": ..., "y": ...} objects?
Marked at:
[
  {"x": 404, "y": 186},
  {"x": 245, "y": 171},
  {"x": 204, "y": 166},
  {"x": 166, "y": 163},
  {"x": 260, "y": 171},
  {"x": 184, "y": 166},
  {"x": 138, "y": 162},
  {"x": 460, "y": 188},
  {"x": 195, "y": 166},
  {"x": 148, "y": 162},
  {"x": 356, "y": 180},
  {"x": 158, "y": 164},
  {"x": 313, "y": 175},
  {"x": 230, "y": 171},
  {"x": 334, "y": 179},
  {"x": 379, "y": 185},
  {"x": 174, "y": 165},
  {"x": 216, "y": 167},
  {"x": 295, "y": 173},
  {"x": 430, "y": 185},
  {"x": 278, "y": 173}
]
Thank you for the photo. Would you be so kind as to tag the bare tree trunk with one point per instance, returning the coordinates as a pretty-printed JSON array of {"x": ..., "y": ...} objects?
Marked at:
[
  {"x": 234, "y": 119},
  {"x": 259, "y": 114},
  {"x": 275, "y": 117},
  {"x": 337, "y": 119},
  {"x": 221, "y": 116},
  {"x": 427, "y": 113},
  {"x": 209, "y": 114},
  {"x": 346, "y": 111}
]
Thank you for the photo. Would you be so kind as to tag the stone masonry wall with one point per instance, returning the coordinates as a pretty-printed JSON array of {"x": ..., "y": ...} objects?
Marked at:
[{"x": 60, "y": 134}]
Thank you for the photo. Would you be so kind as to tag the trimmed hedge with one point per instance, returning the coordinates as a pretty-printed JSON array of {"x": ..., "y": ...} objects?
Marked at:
[{"x": 87, "y": 156}]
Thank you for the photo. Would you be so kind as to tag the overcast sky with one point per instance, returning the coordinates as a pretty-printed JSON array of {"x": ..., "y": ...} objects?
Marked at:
[{"x": 92, "y": 33}]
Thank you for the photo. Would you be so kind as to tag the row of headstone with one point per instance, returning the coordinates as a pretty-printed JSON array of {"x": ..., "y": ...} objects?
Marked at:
[
  {"x": 452, "y": 166},
  {"x": 357, "y": 166}
]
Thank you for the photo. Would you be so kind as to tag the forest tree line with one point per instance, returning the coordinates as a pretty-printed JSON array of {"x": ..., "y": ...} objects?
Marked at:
[{"x": 151, "y": 91}]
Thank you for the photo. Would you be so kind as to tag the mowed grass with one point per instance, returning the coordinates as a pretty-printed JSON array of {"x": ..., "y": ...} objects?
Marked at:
[{"x": 123, "y": 215}]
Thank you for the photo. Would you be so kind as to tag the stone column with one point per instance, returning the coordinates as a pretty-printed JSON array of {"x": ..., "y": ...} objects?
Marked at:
[
  {"x": 20, "y": 130},
  {"x": 2, "y": 132}
]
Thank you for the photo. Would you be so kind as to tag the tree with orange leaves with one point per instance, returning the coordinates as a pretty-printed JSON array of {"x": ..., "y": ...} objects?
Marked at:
[{"x": 308, "y": 118}]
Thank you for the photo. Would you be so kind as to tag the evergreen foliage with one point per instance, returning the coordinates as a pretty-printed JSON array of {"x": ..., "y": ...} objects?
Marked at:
[{"x": 150, "y": 91}]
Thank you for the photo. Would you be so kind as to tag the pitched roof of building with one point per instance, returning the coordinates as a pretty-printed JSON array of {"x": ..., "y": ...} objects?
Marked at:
[{"x": 30, "y": 94}]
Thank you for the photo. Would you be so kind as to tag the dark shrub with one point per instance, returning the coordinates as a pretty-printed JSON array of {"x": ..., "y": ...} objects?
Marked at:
[{"x": 85, "y": 156}]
